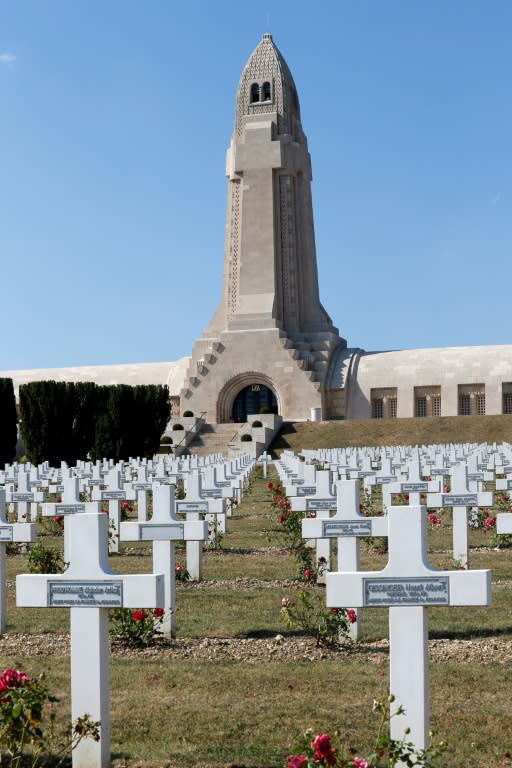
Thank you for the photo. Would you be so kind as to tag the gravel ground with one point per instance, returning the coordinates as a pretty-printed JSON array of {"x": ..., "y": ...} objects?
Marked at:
[{"x": 257, "y": 650}]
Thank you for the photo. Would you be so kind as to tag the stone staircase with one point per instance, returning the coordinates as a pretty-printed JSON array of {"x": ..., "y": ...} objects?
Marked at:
[
  {"x": 213, "y": 438},
  {"x": 311, "y": 353}
]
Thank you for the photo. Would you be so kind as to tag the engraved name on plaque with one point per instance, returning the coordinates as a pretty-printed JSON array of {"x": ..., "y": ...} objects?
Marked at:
[
  {"x": 73, "y": 594},
  {"x": 346, "y": 528},
  {"x": 414, "y": 591}
]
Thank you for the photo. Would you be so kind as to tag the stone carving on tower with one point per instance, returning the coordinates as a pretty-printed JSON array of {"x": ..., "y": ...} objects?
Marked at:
[{"x": 270, "y": 328}]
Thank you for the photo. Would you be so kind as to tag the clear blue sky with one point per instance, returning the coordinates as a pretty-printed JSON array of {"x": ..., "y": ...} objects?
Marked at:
[{"x": 114, "y": 121}]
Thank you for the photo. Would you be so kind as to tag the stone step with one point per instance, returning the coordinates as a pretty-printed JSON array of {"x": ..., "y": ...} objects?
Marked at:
[{"x": 213, "y": 438}]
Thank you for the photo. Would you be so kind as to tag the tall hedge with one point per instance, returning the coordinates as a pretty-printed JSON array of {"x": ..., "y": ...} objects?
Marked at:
[
  {"x": 70, "y": 421},
  {"x": 130, "y": 421},
  {"x": 8, "y": 419},
  {"x": 46, "y": 418}
]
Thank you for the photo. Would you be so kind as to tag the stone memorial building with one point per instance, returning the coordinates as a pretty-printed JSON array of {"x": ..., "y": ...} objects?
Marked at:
[{"x": 271, "y": 343}]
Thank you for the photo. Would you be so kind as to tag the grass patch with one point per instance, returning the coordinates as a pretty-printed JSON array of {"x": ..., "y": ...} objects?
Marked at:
[{"x": 193, "y": 712}]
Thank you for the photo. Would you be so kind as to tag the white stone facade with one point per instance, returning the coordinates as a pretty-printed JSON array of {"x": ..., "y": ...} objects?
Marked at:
[{"x": 477, "y": 378}]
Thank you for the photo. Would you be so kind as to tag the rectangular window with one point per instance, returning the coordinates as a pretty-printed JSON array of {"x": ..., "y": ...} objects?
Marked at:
[
  {"x": 480, "y": 404},
  {"x": 427, "y": 400},
  {"x": 464, "y": 405},
  {"x": 506, "y": 390},
  {"x": 436, "y": 405},
  {"x": 383, "y": 403}
]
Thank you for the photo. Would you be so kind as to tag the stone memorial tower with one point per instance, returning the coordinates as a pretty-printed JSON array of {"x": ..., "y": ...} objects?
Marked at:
[{"x": 271, "y": 342}]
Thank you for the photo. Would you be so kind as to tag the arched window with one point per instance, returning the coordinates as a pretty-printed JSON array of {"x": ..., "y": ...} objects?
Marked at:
[
  {"x": 255, "y": 93},
  {"x": 266, "y": 92}
]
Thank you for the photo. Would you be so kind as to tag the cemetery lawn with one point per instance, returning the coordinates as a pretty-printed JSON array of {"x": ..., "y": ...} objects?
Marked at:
[
  {"x": 445, "y": 429},
  {"x": 231, "y": 692}
]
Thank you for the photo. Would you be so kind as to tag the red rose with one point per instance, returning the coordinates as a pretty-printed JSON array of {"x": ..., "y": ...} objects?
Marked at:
[
  {"x": 307, "y": 574},
  {"x": 158, "y": 612},
  {"x": 322, "y": 749},
  {"x": 270, "y": 486},
  {"x": 139, "y": 615},
  {"x": 351, "y": 615}
]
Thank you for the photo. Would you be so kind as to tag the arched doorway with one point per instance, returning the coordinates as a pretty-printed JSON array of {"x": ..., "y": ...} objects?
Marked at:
[
  {"x": 252, "y": 399},
  {"x": 251, "y": 391}
]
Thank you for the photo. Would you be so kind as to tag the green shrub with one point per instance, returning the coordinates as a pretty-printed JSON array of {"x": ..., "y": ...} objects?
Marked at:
[
  {"x": 245, "y": 438},
  {"x": 166, "y": 440},
  {"x": 256, "y": 423},
  {"x": 188, "y": 413},
  {"x": 265, "y": 409},
  {"x": 41, "y": 559},
  {"x": 175, "y": 427}
]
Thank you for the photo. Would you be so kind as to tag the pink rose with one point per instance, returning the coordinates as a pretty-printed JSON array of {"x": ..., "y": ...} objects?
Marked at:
[{"x": 297, "y": 761}]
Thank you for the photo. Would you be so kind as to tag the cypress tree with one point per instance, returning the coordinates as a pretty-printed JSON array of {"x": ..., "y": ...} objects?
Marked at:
[{"x": 8, "y": 419}]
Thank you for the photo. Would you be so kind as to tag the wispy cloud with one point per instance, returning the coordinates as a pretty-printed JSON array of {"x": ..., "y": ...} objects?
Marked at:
[
  {"x": 495, "y": 200},
  {"x": 7, "y": 58}
]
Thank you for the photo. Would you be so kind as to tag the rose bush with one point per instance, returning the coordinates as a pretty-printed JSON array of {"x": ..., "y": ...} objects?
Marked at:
[
  {"x": 138, "y": 628},
  {"x": 25, "y": 703},
  {"x": 319, "y": 752}
]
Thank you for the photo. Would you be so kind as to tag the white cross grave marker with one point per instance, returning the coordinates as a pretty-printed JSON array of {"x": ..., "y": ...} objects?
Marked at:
[
  {"x": 407, "y": 585},
  {"x": 25, "y": 532},
  {"x": 504, "y": 522},
  {"x": 114, "y": 494},
  {"x": 460, "y": 499},
  {"x": 347, "y": 526},
  {"x": 89, "y": 588},
  {"x": 24, "y": 496},
  {"x": 142, "y": 487},
  {"x": 70, "y": 505},
  {"x": 320, "y": 503},
  {"x": 163, "y": 530},
  {"x": 197, "y": 503}
]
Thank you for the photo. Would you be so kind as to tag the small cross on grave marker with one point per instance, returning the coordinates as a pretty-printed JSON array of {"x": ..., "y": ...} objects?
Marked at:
[
  {"x": 319, "y": 505},
  {"x": 24, "y": 496},
  {"x": 414, "y": 486},
  {"x": 265, "y": 460},
  {"x": 163, "y": 530},
  {"x": 408, "y": 585},
  {"x": 9, "y": 532},
  {"x": 142, "y": 487},
  {"x": 89, "y": 588},
  {"x": 70, "y": 505},
  {"x": 196, "y": 504},
  {"x": 460, "y": 499},
  {"x": 114, "y": 494},
  {"x": 347, "y": 526}
]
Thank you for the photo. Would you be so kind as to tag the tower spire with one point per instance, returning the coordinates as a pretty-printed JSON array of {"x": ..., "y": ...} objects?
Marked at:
[
  {"x": 270, "y": 272},
  {"x": 271, "y": 342}
]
